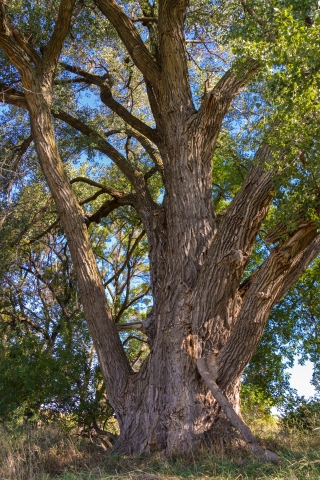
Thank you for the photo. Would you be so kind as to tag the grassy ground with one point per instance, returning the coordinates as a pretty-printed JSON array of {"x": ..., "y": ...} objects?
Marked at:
[{"x": 48, "y": 453}]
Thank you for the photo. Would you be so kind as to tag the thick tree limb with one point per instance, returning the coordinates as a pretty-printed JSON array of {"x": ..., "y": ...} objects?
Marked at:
[
  {"x": 129, "y": 35},
  {"x": 217, "y": 101},
  {"x": 11, "y": 96},
  {"x": 54, "y": 47},
  {"x": 21, "y": 52},
  {"x": 300, "y": 263},
  {"x": 23, "y": 43},
  {"x": 236, "y": 421},
  {"x": 231, "y": 247},
  {"x": 175, "y": 75},
  {"x": 12, "y": 46},
  {"x": 116, "y": 369},
  {"x": 270, "y": 282},
  {"x": 111, "y": 205},
  {"x": 144, "y": 20},
  {"x": 124, "y": 327}
]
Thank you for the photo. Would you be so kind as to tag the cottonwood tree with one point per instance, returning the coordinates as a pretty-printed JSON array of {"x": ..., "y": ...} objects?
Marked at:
[{"x": 207, "y": 320}]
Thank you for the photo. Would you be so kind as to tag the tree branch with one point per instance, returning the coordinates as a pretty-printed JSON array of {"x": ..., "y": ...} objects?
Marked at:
[
  {"x": 50, "y": 287},
  {"x": 105, "y": 209},
  {"x": 144, "y": 19},
  {"x": 217, "y": 101},
  {"x": 145, "y": 204},
  {"x": 10, "y": 42},
  {"x": 54, "y": 47},
  {"x": 129, "y": 35},
  {"x": 151, "y": 151},
  {"x": 11, "y": 96},
  {"x": 124, "y": 327},
  {"x": 103, "y": 82},
  {"x": 134, "y": 122},
  {"x": 175, "y": 74},
  {"x": 128, "y": 256},
  {"x": 267, "y": 285},
  {"x": 111, "y": 191},
  {"x": 47, "y": 230},
  {"x": 92, "y": 197},
  {"x": 111, "y": 205},
  {"x": 19, "y": 151},
  {"x": 26, "y": 320},
  {"x": 24, "y": 44}
]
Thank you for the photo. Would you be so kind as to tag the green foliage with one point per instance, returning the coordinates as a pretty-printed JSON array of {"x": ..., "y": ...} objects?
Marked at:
[
  {"x": 302, "y": 414},
  {"x": 48, "y": 366}
]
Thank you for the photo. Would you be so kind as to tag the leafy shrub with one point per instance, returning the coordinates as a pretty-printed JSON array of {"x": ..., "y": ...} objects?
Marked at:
[{"x": 302, "y": 413}]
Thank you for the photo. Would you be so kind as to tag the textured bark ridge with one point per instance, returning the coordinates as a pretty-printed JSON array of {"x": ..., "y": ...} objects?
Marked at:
[{"x": 201, "y": 309}]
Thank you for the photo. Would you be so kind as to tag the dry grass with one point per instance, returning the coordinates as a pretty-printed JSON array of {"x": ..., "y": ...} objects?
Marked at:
[
  {"x": 28, "y": 454},
  {"x": 49, "y": 453}
]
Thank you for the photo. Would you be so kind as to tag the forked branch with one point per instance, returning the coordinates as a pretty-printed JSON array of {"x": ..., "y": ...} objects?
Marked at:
[{"x": 231, "y": 247}]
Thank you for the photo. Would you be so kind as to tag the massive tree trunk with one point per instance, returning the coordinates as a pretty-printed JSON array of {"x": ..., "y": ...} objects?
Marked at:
[
  {"x": 200, "y": 307},
  {"x": 201, "y": 310}
]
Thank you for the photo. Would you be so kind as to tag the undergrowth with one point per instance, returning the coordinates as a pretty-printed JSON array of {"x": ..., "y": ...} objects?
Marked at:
[{"x": 49, "y": 453}]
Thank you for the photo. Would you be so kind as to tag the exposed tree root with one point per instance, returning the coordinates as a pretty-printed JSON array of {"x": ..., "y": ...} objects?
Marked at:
[{"x": 261, "y": 453}]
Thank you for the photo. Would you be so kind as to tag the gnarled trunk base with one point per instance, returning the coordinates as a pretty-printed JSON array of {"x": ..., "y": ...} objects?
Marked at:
[{"x": 189, "y": 423}]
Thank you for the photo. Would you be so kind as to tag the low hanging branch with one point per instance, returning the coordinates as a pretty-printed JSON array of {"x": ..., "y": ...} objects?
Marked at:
[
  {"x": 252, "y": 442},
  {"x": 123, "y": 327}
]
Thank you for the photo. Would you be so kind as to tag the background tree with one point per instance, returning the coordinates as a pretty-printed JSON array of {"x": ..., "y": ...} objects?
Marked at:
[
  {"x": 48, "y": 363},
  {"x": 169, "y": 105}
]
